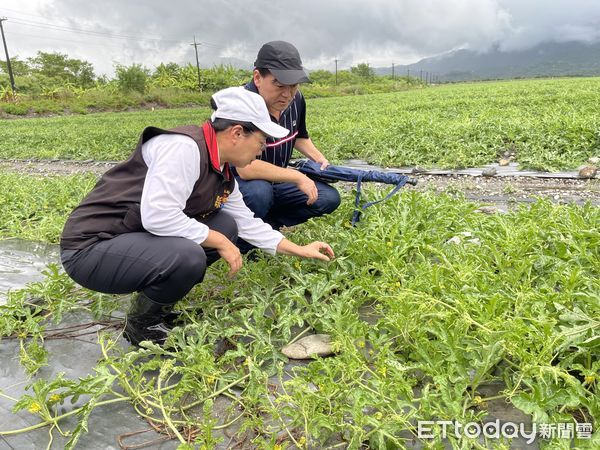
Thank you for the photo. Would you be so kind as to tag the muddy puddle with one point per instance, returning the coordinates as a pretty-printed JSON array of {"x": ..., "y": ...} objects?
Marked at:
[{"x": 76, "y": 356}]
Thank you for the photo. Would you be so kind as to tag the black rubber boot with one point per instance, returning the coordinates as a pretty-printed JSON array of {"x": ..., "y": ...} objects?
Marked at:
[
  {"x": 145, "y": 321},
  {"x": 171, "y": 318}
]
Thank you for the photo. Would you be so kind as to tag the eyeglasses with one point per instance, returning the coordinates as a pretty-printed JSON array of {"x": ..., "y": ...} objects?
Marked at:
[{"x": 263, "y": 143}]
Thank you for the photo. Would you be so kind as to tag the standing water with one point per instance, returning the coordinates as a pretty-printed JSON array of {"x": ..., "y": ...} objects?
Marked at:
[{"x": 22, "y": 262}]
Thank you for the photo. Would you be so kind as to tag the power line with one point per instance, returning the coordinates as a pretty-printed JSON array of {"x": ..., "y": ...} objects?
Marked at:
[
  {"x": 66, "y": 29},
  {"x": 211, "y": 45},
  {"x": 88, "y": 43},
  {"x": 118, "y": 45},
  {"x": 30, "y": 22},
  {"x": 61, "y": 28}
]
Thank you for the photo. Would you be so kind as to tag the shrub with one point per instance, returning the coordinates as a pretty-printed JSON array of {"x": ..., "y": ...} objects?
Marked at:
[
  {"x": 132, "y": 78},
  {"x": 16, "y": 109}
]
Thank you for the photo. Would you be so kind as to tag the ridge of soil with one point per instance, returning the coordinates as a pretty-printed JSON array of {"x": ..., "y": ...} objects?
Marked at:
[{"x": 494, "y": 189}]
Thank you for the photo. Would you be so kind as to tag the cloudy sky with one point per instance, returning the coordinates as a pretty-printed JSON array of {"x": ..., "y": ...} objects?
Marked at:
[{"x": 379, "y": 32}]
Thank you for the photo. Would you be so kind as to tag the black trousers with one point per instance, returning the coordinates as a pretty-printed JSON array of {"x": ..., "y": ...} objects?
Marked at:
[{"x": 165, "y": 268}]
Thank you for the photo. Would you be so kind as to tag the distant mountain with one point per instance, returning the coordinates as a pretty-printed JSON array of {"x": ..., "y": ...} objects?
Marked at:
[{"x": 548, "y": 59}]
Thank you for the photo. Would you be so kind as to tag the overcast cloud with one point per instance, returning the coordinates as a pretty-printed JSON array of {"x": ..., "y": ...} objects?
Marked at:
[{"x": 375, "y": 31}]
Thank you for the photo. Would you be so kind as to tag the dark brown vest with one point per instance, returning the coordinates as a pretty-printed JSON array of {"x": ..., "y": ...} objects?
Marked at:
[{"x": 113, "y": 206}]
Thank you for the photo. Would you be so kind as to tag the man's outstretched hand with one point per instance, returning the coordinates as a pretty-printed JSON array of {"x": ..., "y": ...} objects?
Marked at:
[
  {"x": 318, "y": 250},
  {"x": 314, "y": 250}
]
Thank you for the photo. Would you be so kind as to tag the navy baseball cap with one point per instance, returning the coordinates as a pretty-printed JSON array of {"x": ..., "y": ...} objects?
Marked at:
[{"x": 283, "y": 61}]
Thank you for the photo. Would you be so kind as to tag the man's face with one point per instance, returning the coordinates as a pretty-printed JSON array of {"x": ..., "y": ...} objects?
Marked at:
[
  {"x": 277, "y": 96},
  {"x": 252, "y": 146}
]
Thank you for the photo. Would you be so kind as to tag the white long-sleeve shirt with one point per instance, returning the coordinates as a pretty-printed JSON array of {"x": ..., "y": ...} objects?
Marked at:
[{"x": 173, "y": 168}]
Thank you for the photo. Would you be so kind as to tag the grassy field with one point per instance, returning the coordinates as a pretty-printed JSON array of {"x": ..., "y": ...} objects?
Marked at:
[
  {"x": 103, "y": 136},
  {"x": 548, "y": 124},
  {"x": 36, "y": 208},
  {"x": 457, "y": 300}
]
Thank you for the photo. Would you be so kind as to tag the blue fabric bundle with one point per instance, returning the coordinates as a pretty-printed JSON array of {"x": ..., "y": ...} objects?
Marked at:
[{"x": 338, "y": 173}]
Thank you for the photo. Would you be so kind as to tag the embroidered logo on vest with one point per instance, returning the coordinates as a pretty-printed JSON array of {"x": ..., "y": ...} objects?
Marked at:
[{"x": 222, "y": 199}]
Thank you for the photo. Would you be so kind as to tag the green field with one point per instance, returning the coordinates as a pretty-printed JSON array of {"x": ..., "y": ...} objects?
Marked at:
[
  {"x": 429, "y": 303},
  {"x": 517, "y": 307},
  {"x": 36, "y": 208},
  {"x": 549, "y": 124}
]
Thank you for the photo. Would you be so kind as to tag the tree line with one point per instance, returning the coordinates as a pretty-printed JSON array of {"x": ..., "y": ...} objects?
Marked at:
[{"x": 54, "y": 83}]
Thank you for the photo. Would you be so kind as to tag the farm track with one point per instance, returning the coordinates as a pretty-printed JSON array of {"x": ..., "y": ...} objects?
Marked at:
[{"x": 501, "y": 191}]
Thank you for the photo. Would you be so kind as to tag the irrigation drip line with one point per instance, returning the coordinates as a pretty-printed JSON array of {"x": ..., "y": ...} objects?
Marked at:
[
  {"x": 501, "y": 171},
  {"x": 73, "y": 332},
  {"x": 144, "y": 444},
  {"x": 511, "y": 170}
]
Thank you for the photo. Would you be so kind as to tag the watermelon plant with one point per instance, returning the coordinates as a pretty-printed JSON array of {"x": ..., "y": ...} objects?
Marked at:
[
  {"x": 422, "y": 325},
  {"x": 542, "y": 124}
]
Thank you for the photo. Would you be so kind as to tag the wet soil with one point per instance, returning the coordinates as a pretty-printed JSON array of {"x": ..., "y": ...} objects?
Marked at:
[{"x": 509, "y": 186}]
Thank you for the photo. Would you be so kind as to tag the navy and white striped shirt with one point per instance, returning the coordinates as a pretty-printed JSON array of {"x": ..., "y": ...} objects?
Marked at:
[{"x": 279, "y": 151}]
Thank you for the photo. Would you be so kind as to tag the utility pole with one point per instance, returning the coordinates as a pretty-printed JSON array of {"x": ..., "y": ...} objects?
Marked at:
[
  {"x": 336, "y": 61},
  {"x": 421, "y": 75},
  {"x": 9, "y": 67},
  {"x": 408, "y": 75},
  {"x": 393, "y": 71},
  {"x": 196, "y": 44}
]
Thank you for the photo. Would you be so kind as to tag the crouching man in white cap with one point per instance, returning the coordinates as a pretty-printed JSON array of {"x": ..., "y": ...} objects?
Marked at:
[{"x": 156, "y": 221}]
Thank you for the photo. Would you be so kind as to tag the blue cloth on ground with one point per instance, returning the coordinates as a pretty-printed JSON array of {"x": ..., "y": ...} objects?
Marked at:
[{"x": 339, "y": 173}]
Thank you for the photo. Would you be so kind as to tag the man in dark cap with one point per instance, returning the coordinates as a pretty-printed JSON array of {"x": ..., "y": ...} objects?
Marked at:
[{"x": 279, "y": 195}]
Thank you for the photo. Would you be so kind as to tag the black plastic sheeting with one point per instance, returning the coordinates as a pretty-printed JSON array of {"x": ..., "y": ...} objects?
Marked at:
[
  {"x": 77, "y": 356},
  {"x": 22, "y": 262}
]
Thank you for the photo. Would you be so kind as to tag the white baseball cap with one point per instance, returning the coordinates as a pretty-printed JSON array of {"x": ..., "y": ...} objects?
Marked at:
[{"x": 242, "y": 105}]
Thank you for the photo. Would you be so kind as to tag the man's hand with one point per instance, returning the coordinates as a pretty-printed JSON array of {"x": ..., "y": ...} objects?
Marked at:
[
  {"x": 314, "y": 250},
  {"x": 231, "y": 254},
  {"x": 226, "y": 249},
  {"x": 323, "y": 161},
  {"x": 308, "y": 149},
  {"x": 309, "y": 187},
  {"x": 318, "y": 250}
]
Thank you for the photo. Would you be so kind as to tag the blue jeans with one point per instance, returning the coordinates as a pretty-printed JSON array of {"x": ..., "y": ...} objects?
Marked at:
[{"x": 283, "y": 204}]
